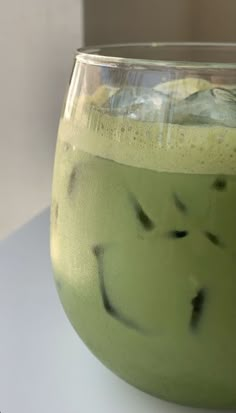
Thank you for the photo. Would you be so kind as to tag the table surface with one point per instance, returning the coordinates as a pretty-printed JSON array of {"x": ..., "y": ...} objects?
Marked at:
[{"x": 44, "y": 366}]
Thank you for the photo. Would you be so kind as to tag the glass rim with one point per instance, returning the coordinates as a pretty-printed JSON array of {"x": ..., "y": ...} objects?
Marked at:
[{"x": 90, "y": 55}]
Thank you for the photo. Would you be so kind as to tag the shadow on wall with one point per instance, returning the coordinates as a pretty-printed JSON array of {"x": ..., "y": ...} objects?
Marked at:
[{"x": 111, "y": 21}]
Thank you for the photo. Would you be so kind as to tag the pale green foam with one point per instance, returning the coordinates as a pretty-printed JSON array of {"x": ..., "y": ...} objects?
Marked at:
[{"x": 150, "y": 145}]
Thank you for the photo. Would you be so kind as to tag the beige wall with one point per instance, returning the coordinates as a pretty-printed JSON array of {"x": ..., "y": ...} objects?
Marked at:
[
  {"x": 108, "y": 21},
  {"x": 37, "y": 43}
]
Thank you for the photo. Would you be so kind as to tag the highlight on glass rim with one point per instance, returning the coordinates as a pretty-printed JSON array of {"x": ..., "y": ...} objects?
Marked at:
[{"x": 143, "y": 216}]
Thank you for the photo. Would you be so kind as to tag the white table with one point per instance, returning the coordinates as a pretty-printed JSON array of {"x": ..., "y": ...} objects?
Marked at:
[{"x": 44, "y": 366}]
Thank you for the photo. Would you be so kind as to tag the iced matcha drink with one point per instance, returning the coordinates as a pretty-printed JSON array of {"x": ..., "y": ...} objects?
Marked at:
[{"x": 143, "y": 243}]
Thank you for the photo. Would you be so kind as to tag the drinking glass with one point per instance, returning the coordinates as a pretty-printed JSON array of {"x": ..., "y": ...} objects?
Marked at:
[{"x": 143, "y": 217}]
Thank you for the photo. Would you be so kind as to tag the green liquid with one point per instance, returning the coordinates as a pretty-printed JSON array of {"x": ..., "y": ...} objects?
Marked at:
[{"x": 144, "y": 262}]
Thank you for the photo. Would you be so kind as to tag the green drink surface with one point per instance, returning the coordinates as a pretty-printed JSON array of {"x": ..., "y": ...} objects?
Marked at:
[{"x": 144, "y": 256}]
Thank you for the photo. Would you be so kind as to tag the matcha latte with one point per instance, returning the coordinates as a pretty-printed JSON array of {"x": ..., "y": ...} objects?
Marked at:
[{"x": 143, "y": 236}]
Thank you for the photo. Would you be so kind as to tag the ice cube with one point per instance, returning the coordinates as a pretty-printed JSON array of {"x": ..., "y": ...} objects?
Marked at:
[
  {"x": 102, "y": 94},
  {"x": 182, "y": 88},
  {"x": 138, "y": 103},
  {"x": 214, "y": 106}
]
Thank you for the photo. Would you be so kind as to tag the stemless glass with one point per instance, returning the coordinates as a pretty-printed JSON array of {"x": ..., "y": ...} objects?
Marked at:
[{"x": 143, "y": 218}]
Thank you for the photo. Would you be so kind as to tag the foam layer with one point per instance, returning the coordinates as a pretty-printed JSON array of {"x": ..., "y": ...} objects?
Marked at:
[{"x": 150, "y": 145}]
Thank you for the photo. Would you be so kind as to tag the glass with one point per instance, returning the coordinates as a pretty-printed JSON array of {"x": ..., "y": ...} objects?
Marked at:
[{"x": 143, "y": 217}]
